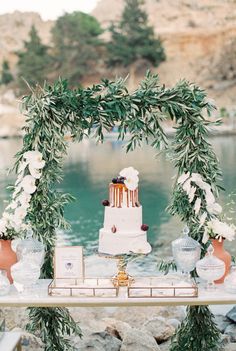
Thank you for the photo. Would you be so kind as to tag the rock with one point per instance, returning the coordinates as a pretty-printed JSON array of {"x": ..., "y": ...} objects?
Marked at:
[
  {"x": 174, "y": 322},
  {"x": 159, "y": 329},
  {"x": 222, "y": 322},
  {"x": 138, "y": 340},
  {"x": 224, "y": 340},
  {"x": 116, "y": 327},
  {"x": 136, "y": 316},
  {"x": 232, "y": 314},
  {"x": 230, "y": 347},
  {"x": 15, "y": 317},
  {"x": 165, "y": 346},
  {"x": 99, "y": 342},
  {"x": 29, "y": 341},
  {"x": 231, "y": 331}
]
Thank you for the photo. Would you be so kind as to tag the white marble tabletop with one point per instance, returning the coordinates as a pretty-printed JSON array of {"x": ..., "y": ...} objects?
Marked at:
[{"x": 39, "y": 297}]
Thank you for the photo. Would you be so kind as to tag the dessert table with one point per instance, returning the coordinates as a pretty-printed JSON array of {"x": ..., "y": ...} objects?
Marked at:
[{"x": 39, "y": 298}]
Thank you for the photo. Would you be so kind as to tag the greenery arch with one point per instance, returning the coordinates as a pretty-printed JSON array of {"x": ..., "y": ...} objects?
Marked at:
[{"x": 54, "y": 111}]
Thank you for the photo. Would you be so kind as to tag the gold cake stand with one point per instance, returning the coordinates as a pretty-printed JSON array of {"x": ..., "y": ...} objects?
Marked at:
[{"x": 122, "y": 278}]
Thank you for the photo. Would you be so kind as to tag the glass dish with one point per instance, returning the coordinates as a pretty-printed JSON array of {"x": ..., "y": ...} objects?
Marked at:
[
  {"x": 210, "y": 268},
  {"x": 186, "y": 252},
  {"x": 25, "y": 274},
  {"x": 230, "y": 281},
  {"x": 4, "y": 283},
  {"x": 30, "y": 248}
]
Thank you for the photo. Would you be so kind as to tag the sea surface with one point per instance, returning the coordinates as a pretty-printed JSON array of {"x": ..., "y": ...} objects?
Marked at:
[{"x": 88, "y": 169}]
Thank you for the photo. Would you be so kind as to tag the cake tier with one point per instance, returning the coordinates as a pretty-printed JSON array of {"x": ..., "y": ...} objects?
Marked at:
[
  {"x": 124, "y": 219},
  {"x": 123, "y": 243},
  {"x": 121, "y": 196}
]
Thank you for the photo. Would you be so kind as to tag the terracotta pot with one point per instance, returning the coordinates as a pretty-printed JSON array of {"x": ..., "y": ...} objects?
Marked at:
[
  {"x": 223, "y": 255},
  {"x": 7, "y": 257}
]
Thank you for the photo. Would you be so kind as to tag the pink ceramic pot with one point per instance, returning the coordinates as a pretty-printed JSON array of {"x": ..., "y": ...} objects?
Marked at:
[
  {"x": 223, "y": 255},
  {"x": 7, "y": 257}
]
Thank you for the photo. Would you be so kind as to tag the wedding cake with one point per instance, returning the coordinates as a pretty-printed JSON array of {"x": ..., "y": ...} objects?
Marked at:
[{"x": 123, "y": 231}]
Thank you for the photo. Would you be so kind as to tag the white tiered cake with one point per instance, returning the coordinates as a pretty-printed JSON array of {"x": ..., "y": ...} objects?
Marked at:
[{"x": 123, "y": 231}]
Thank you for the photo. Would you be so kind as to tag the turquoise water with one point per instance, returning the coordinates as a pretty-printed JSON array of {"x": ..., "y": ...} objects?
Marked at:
[{"x": 88, "y": 170}]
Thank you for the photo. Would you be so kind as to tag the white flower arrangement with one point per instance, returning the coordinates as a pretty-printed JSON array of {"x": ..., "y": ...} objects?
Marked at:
[
  {"x": 29, "y": 171},
  {"x": 130, "y": 177},
  {"x": 214, "y": 228},
  {"x": 218, "y": 230}
]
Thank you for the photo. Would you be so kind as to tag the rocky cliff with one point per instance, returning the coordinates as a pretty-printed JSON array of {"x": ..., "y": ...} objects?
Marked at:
[
  {"x": 14, "y": 30},
  {"x": 198, "y": 36},
  {"x": 194, "y": 33}
]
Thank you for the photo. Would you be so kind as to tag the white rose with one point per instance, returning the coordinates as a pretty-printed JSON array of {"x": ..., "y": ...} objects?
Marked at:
[
  {"x": 22, "y": 166},
  {"x": 129, "y": 171},
  {"x": 196, "y": 177},
  {"x": 131, "y": 177},
  {"x": 183, "y": 178},
  {"x": 28, "y": 184},
  {"x": 24, "y": 198},
  {"x": 131, "y": 183},
  {"x": 20, "y": 213},
  {"x": 34, "y": 172},
  {"x": 35, "y": 159}
]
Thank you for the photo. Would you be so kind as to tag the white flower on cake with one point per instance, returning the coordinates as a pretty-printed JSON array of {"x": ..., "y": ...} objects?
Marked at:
[
  {"x": 28, "y": 184},
  {"x": 131, "y": 177}
]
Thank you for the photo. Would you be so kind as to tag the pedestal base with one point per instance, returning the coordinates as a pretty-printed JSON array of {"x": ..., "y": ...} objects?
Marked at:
[{"x": 122, "y": 279}]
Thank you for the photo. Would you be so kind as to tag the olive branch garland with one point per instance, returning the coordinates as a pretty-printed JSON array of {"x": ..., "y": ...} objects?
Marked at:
[{"x": 55, "y": 111}]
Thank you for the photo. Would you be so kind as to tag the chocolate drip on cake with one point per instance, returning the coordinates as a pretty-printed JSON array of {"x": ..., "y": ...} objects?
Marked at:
[{"x": 120, "y": 196}]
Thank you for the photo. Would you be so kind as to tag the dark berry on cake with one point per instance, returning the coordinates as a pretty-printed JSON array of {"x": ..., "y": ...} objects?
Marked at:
[
  {"x": 113, "y": 229},
  {"x": 114, "y": 180},
  {"x": 144, "y": 227},
  {"x": 120, "y": 180},
  {"x": 105, "y": 203}
]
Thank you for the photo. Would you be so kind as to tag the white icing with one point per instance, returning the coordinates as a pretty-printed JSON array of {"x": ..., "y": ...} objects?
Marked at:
[
  {"x": 125, "y": 219},
  {"x": 118, "y": 243}
]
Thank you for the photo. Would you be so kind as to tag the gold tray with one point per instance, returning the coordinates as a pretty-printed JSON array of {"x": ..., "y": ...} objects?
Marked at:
[
  {"x": 170, "y": 286},
  {"x": 87, "y": 287}
]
